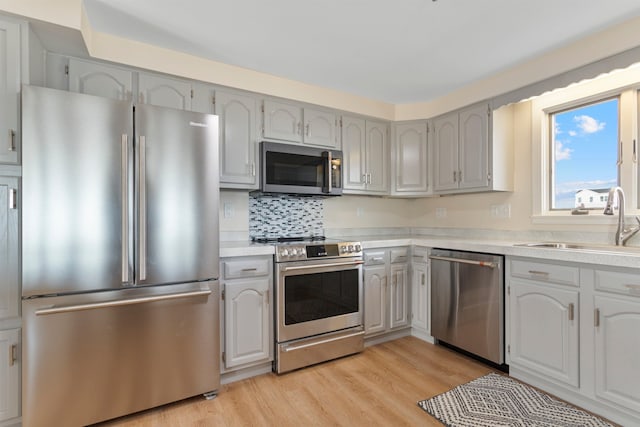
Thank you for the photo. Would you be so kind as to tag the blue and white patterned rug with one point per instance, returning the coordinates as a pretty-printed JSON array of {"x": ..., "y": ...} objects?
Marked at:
[{"x": 496, "y": 400}]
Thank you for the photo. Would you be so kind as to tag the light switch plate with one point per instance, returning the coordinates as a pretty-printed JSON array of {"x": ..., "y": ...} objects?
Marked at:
[{"x": 441, "y": 212}]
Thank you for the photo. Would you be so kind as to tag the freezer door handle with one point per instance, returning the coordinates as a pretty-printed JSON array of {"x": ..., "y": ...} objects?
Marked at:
[
  {"x": 117, "y": 303},
  {"x": 125, "y": 209},
  {"x": 142, "y": 211}
]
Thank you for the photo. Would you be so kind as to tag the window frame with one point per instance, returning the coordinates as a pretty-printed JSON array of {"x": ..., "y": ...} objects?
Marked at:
[{"x": 624, "y": 84}]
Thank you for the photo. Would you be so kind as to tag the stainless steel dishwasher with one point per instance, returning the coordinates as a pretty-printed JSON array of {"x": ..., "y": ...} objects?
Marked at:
[{"x": 467, "y": 302}]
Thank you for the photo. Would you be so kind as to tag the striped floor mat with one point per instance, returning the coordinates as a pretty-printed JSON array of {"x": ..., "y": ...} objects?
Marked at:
[{"x": 497, "y": 400}]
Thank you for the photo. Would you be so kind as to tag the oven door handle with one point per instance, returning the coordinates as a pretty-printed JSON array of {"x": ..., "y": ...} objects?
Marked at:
[{"x": 314, "y": 266}]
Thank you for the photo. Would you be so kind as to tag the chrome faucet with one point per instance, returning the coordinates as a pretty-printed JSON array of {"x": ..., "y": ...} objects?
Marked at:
[{"x": 623, "y": 233}]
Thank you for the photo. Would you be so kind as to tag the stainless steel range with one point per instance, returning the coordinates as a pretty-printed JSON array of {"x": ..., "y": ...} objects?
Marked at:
[{"x": 319, "y": 314}]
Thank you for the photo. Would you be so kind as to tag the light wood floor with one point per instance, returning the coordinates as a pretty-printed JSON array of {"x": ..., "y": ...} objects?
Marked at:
[{"x": 378, "y": 387}]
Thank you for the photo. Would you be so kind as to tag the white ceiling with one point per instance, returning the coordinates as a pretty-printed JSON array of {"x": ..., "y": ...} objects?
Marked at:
[{"x": 398, "y": 51}]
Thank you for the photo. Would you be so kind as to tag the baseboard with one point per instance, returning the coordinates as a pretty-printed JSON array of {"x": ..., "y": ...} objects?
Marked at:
[
  {"x": 243, "y": 374},
  {"x": 387, "y": 336},
  {"x": 423, "y": 335}
]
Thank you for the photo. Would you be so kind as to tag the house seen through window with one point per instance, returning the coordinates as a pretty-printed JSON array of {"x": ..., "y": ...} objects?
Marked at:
[{"x": 584, "y": 155}]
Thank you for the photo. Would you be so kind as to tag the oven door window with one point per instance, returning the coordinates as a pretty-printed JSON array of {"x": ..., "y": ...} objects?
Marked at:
[{"x": 319, "y": 296}]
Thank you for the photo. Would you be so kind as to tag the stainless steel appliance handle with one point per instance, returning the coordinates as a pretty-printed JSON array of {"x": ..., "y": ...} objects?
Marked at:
[
  {"x": 132, "y": 301},
  {"x": 465, "y": 261},
  {"x": 125, "y": 208},
  {"x": 311, "y": 267},
  {"x": 315, "y": 343},
  {"x": 327, "y": 174},
  {"x": 142, "y": 211}
]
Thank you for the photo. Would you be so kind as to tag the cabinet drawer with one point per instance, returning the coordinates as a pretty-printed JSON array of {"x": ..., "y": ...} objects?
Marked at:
[
  {"x": 420, "y": 255},
  {"x": 375, "y": 258},
  {"x": 619, "y": 282},
  {"x": 399, "y": 255},
  {"x": 545, "y": 272},
  {"x": 246, "y": 268}
]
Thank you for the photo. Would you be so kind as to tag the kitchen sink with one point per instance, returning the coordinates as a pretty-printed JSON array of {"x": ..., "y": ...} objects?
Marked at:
[{"x": 580, "y": 247}]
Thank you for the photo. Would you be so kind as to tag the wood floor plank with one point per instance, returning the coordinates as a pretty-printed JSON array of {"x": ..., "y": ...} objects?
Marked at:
[{"x": 378, "y": 387}]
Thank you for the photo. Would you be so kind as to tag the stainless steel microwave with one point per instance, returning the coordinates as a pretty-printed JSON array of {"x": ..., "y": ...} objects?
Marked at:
[{"x": 294, "y": 169}]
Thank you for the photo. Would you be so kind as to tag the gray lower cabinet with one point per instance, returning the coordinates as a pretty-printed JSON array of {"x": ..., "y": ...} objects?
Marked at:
[
  {"x": 572, "y": 330},
  {"x": 247, "y": 312},
  {"x": 420, "y": 292},
  {"x": 386, "y": 290},
  {"x": 9, "y": 248},
  {"x": 9, "y": 374}
]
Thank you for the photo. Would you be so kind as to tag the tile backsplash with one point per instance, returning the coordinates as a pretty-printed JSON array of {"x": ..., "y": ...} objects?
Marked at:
[{"x": 285, "y": 216}]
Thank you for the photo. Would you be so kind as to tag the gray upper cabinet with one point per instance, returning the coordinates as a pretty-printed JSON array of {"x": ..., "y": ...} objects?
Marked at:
[
  {"x": 238, "y": 139},
  {"x": 290, "y": 122},
  {"x": 9, "y": 92},
  {"x": 377, "y": 155},
  {"x": 468, "y": 156},
  {"x": 164, "y": 91},
  {"x": 282, "y": 121},
  {"x": 365, "y": 148},
  {"x": 93, "y": 78},
  {"x": 320, "y": 128},
  {"x": 410, "y": 167}
]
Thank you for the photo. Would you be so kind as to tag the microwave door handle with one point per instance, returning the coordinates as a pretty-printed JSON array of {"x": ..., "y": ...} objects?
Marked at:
[{"x": 327, "y": 175}]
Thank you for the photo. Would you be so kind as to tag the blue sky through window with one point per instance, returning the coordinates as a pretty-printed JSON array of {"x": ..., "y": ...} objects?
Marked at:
[{"x": 585, "y": 151}]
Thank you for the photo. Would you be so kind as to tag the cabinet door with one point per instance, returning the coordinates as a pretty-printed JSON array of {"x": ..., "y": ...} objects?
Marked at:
[
  {"x": 320, "y": 128},
  {"x": 420, "y": 296},
  {"x": 237, "y": 115},
  {"x": 377, "y": 155},
  {"x": 247, "y": 315},
  {"x": 164, "y": 92},
  {"x": 474, "y": 148},
  {"x": 282, "y": 121},
  {"x": 9, "y": 92},
  {"x": 544, "y": 330},
  {"x": 9, "y": 374},
  {"x": 445, "y": 152},
  {"x": 375, "y": 286},
  {"x": 9, "y": 287},
  {"x": 399, "y": 296},
  {"x": 617, "y": 351},
  {"x": 353, "y": 152},
  {"x": 410, "y": 152},
  {"x": 101, "y": 80}
]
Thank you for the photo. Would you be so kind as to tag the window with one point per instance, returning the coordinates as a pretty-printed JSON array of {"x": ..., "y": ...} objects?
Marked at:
[
  {"x": 584, "y": 144},
  {"x": 584, "y": 141}
]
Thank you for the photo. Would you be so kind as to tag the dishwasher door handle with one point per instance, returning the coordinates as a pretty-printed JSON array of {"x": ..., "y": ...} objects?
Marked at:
[{"x": 465, "y": 261}]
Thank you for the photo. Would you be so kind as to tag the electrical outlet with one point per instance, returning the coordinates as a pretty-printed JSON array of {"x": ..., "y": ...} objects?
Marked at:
[
  {"x": 501, "y": 211},
  {"x": 228, "y": 210},
  {"x": 441, "y": 212}
]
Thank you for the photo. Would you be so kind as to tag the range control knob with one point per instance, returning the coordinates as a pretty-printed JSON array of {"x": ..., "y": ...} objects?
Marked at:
[
  {"x": 358, "y": 248},
  {"x": 284, "y": 252},
  {"x": 350, "y": 248},
  {"x": 294, "y": 251}
]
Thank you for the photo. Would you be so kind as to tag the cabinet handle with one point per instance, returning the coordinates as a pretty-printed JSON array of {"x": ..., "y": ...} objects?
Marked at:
[
  {"x": 306, "y": 129},
  {"x": 299, "y": 128},
  {"x": 12, "y": 140},
  {"x": 369, "y": 178},
  {"x": 571, "y": 311},
  {"x": 364, "y": 178},
  {"x": 539, "y": 273},
  {"x": 460, "y": 176},
  {"x": 454, "y": 176},
  {"x": 596, "y": 317},
  {"x": 13, "y": 198},
  {"x": 423, "y": 279},
  {"x": 250, "y": 269},
  {"x": 13, "y": 354},
  {"x": 253, "y": 169},
  {"x": 633, "y": 289}
]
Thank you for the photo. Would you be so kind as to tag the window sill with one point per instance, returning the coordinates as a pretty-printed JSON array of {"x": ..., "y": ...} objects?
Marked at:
[{"x": 565, "y": 218}]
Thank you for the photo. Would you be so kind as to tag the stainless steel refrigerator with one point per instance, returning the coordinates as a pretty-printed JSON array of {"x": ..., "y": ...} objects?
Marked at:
[{"x": 119, "y": 257}]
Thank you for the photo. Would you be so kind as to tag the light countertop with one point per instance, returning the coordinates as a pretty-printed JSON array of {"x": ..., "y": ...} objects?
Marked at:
[{"x": 600, "y": 255}]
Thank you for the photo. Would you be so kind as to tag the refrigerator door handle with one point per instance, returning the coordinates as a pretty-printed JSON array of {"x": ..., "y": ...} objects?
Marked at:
[
  {"x": 142, "y": 211},
  {"x": 125, "y": 208},
  {"x": 130, "y": 301}
]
